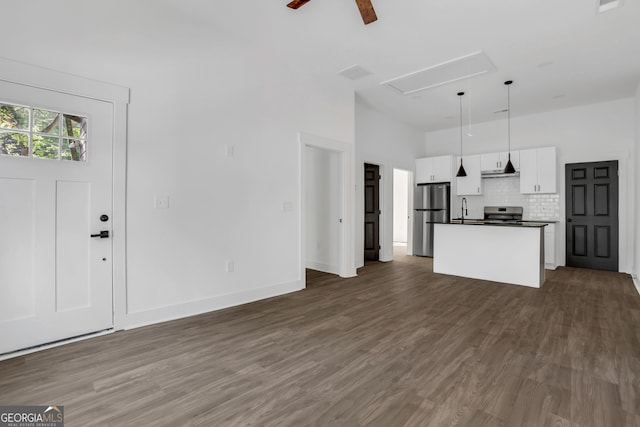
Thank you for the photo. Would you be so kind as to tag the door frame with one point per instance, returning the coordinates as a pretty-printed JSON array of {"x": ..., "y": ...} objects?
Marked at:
[
  {"x": 625, "y": 208},
  {"x": 380, "y": 210},
  {"x": 568, "y": 193},
  {"x": 118, "y": 97},
  {"x": 384, "y": 239},
  {"x": 346, "y": 153}
]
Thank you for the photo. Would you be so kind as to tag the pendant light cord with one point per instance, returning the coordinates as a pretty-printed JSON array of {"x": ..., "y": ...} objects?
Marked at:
[
  {"x": 461, "y": 171},
  {"x": 460, "y": 96},
  {"x": 509, "y": 117},
  {"x": 509, "y": 167}
]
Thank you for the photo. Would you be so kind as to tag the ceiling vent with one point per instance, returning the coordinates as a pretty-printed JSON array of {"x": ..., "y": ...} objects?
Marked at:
[
  {"x": 471, "y": 65},
  {"x": 605, "y": 5},
  {"x": 354, "y": 72}
]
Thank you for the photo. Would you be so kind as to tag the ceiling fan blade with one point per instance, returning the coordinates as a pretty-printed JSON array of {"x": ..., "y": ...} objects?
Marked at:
[
  {"x": 297, "y": 3},
  {"x": 367, "y": 12}
]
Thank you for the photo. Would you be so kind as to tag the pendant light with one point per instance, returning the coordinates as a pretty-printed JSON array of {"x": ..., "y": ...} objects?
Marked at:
[
  {"x": 509, "y": 167},
  {"x": 461, "y": 171}
]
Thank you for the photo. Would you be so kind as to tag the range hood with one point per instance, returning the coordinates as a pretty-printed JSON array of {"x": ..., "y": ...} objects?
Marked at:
[{"x": 498, "y": 173}]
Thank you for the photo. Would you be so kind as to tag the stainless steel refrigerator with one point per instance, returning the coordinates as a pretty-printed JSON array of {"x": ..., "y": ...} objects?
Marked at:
[{"x": 431, "y": 205}]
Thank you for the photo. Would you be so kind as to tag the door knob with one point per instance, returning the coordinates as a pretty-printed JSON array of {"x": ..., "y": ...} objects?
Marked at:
[{"x": 104, "y": 234}]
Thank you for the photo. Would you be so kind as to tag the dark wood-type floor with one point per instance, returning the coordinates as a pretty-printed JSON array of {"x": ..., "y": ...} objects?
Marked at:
[{"x": 396, "y": 346}]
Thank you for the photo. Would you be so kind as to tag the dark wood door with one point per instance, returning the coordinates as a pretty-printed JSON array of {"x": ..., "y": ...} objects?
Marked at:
[
  {"x": 371, "y": 212},
  {"x": 592, "y": 215}
]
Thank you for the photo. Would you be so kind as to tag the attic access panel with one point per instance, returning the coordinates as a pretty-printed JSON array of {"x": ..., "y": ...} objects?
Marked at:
[{"x": 471, "y": 65}]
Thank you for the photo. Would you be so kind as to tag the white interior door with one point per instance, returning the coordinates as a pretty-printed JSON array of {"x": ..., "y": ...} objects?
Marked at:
[{"x": 55, "y": 191}]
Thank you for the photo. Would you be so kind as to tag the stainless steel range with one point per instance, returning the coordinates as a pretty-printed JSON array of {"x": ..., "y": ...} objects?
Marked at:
[{"x": 502, "y": 214}]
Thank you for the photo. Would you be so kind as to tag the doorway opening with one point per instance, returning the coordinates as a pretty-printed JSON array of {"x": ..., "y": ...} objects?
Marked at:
[
  {"x": 323, "y": 207},
  {"x": 592, "y": 221},
  {"x": 326, "y": 200},
  {"x": 401, "y": 210}
]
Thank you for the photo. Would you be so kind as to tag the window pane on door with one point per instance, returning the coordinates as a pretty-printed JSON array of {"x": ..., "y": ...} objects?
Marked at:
[
  {"x": 74, "y": 126},
  {"x": 46, "y": 122},
  {"x": 45, "y": 134},
  {"x": 74, "y": 149},
  {"x": 14, "y": 117},
  {"x": 45, "y": 147},
  {"x": 14, "y": 143}
]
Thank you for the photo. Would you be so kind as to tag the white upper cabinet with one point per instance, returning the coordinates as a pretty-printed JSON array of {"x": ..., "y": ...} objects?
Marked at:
[
  {"x": 538, "y": 170},
  {"x": 470, "y": 185},
  {"x": 433, "y": 169},
  {"x": 498, "y": 161}
]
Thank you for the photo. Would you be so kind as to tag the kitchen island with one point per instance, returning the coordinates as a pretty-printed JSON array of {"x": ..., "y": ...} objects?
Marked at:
[{"x": 509, "y": 253}]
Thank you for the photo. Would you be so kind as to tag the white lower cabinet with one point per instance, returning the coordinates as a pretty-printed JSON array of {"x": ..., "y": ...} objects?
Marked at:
[{"x": 550, "y": 247}]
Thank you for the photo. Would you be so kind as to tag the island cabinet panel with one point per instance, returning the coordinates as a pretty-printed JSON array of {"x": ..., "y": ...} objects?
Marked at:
[
  {"x": 507, "y": 254},
  {"x": 434, "y": 169},
  {"x": 470, "y": 185},
  {"x": 538, "y": 171}
]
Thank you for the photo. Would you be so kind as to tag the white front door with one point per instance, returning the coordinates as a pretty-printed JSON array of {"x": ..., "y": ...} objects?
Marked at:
[{"x": 55, "y": 192}]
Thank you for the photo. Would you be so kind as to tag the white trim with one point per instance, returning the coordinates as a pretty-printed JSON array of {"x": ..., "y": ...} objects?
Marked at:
[
  {"x": 53, "y": 345},
  {"x": 44, "y": 78},
  {"x": 346, "y": 151},
  {"x": 636, "y": 282},
  {"x": 410, "y": 218},
  {"x": 325, "y": 268},
  {"x": 119, "y": 215},
  {"x": 193, "y": 308}
]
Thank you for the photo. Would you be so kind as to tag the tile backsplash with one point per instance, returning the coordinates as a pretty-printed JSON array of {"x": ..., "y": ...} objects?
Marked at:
[{"x": 506, "y": 192}]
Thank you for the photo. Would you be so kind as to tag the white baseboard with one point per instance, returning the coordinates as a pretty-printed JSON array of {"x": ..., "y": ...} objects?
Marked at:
[
  {"x": 325, "y": 268},
  {"x": 636, "y": 282},
  {"x": 53, "y": 345},
  {"x": 351, "y": 273},
  {"x": 192, "y": 308}
]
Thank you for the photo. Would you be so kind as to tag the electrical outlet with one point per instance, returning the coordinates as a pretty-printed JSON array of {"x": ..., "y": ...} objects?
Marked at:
[
  {"x": 161, "y": 202},
  {"x": 231, "y": 266}
]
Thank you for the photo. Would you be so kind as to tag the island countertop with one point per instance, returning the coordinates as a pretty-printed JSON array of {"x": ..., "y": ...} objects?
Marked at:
[{"x": 500, "y": 224}]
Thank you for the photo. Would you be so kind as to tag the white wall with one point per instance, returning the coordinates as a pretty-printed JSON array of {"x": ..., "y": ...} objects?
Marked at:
[
  {"x": 323, "y": 183},
  {"x": 587, "y": 133},
  {"x": 390, "y": 144},
  {"x": 188, "y": 103},
  {"x": 400, "y": 205},
  {"x": 222, "y": 208},
  {"x": 636, "y": 270}
]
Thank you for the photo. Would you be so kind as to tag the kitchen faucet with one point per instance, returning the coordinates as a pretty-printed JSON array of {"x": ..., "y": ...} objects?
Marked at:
[{"x": 464, "y": 209}]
